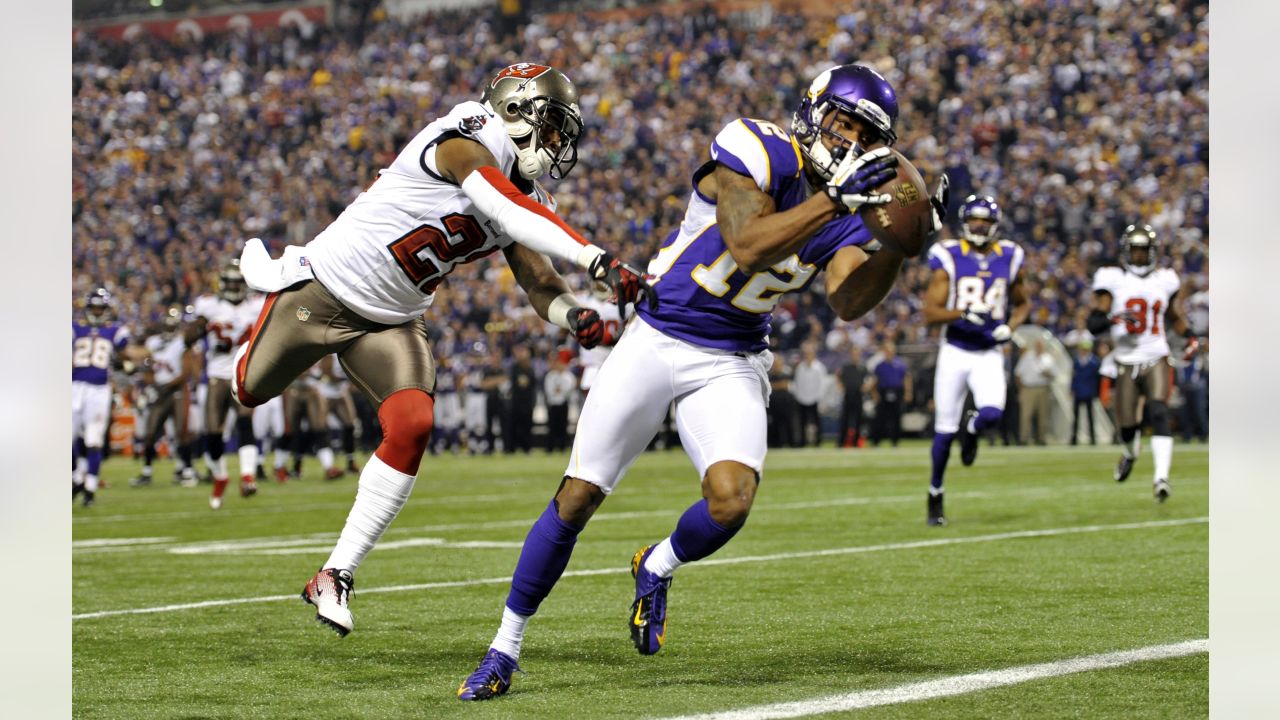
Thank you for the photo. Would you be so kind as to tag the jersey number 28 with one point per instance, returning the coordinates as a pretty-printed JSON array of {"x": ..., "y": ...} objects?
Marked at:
[{"x": 91, "y": 352}]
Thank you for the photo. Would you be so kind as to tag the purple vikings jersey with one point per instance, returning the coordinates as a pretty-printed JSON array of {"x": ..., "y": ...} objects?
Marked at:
[
  {"x": 976, "y": 277},
  {"x": 703, "y": 298},
  {"x": 92, "y": 349}
]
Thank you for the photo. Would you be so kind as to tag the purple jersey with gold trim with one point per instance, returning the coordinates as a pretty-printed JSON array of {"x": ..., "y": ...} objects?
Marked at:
[
  {"x": 92, "y": 349},
  {"x": 703, "y": 298},
  {"x": 976, "y": 277}
]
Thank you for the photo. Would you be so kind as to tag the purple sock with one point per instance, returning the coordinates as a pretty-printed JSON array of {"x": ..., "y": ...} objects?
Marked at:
[
  {"x": 941, "y": 453},
  {"x": 697, "y": 535},
  {"x": 95, "y": 460},
  {"x": 988, "y": 417},
  {"x": 543, "y": 558}
]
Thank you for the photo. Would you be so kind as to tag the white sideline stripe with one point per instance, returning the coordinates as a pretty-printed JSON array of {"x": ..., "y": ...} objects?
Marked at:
[
  {"x": 119, "y": 542},
  {"x": 956, "y": 685},
  {"x": 287, "y": 540},
  {"x": 701, "y": 563}
]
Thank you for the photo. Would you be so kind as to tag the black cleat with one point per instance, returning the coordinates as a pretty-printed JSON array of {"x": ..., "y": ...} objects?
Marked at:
[
  {"x": 936, "y": 517},
  {"x": 1162, "y": 490},
  {"x": 88, "y": 498},
  {"x": 140, "y": 481},
  {"x": 1123, "y": 468},
  {"x": 968, "y": 440},
  {"x": 76, "y": 489}
]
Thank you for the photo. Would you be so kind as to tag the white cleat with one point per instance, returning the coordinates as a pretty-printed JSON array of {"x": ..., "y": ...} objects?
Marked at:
[
  {"x": 1162, "y": 490},
  {"x": 215, "y": 502},
  {"x": 330, "y": 590}
]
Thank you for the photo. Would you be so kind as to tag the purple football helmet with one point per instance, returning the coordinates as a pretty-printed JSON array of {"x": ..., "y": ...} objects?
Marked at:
[
  {"x": 979, "y": 207},
  {"x": 857, "y": 90},
  {"x": 97, "y": 307}
]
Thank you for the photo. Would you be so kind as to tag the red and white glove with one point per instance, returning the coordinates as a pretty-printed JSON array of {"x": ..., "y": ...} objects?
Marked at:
[
  {"x": 587, "y": 326},
  {"x": 627, "y": 284},
  {"x": 1192, "y": 347}
]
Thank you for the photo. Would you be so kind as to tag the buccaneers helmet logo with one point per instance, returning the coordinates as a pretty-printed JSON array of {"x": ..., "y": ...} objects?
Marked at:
[{"x": 524, "y": 71}]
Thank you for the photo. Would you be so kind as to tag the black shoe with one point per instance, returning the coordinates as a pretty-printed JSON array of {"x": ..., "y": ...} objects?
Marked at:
[
  {"x": 140, "y": 481},
  {"x": 1123, "y": 468},
  {"x": 76, "y": 489},
  {"x": 968, "y": 440},
  {"x": 88, "y": 499},
  {"x": 1162, "y": 490},
  {"x": 936, "y": 517},
  {"x": 260, "y": 474}
]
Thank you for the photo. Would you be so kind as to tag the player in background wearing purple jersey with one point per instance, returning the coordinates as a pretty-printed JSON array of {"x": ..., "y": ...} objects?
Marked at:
[
  {"x": 95, "y": 344},
  {"x": 768, "y": 211},
  {"x": 975, "y": 291}
]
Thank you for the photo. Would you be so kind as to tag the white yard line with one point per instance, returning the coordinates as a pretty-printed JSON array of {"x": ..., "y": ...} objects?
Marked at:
[
  {"x": 700, "y": 564},
  {"x": 171, "y": 544},
  {"x": 956, "y": 684},
  {"x": 119, "y": 542}
]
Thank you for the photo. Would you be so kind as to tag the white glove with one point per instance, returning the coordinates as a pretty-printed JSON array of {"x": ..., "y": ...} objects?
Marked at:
[
  {"x": 1002, "y": 333},
  {"x": 976, "y": 313},
  {"x": 855, "y": 179},
  {"x": 264, "y": 274}
]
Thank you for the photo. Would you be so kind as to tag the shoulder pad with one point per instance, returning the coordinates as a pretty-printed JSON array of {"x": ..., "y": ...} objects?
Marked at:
[{"x": 758, "y": 149}]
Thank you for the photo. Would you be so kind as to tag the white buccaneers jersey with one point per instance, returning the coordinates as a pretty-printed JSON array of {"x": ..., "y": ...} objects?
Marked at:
[
  {"x": 166, "y": 356},
  {"x": 1142, "y": 337},
  {"x": 228, "y": 328},
  {"x": 386, "y": 253}
]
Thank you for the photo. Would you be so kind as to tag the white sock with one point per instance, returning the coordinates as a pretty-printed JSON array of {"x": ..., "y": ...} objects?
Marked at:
[
  {"x": 510, "y": 633},
  {"x": 281, "y": 458},
  {"x": 1162, "y": 454},
  {"x": 972, "y": 426},
  {"x": 217, "y": 467},
  {"x": 248, "y": 460},
  {"x": 91, "y": 483},
  {"x": 146, "y": 471},
  {"x": 663, "y": 561},
  {"x": 380, "y": 494},
  {"x": 325, "y": 454}
]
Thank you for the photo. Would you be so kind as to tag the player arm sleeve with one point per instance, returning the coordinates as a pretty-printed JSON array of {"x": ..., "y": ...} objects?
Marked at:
[{"x": 524, "y": 219}]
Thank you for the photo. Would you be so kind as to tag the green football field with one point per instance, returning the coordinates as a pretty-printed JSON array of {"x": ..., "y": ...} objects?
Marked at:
[{"x": 1054, "y": 592}]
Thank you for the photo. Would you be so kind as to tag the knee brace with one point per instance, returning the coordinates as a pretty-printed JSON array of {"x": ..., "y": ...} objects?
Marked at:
[
  {"x": 1158, "y": 413},
  {"x": 406, "y": 417}
]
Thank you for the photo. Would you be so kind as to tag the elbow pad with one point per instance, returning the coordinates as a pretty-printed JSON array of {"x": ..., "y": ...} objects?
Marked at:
[{"x": 1097, "y": 322}]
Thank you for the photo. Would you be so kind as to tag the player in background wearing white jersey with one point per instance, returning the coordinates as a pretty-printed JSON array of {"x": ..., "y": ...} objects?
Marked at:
[
  {"x": 224, "y": 321},
  {"x": 463, "y": 188},
  {"x": 767, "y": 212},
  {"x": 169, "y": 368},
  {"x": 335, "y": 387},
  {"x": 1136, "y": 303}
]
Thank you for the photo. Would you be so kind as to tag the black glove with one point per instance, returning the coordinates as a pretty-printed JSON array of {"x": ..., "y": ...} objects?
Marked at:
[
  {"x": 587, "y": 326},
  {"x": 1097, "y": 322},
  {"x": 941, "y": 197},
  {"x": 627, "y": 284}
]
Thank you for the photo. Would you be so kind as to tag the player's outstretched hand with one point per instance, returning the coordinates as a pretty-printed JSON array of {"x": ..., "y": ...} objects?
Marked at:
[
  {"x": 587, "y": 326},
  {"x": 857, "y": 176},
  {"x": 627, "y": 284}
]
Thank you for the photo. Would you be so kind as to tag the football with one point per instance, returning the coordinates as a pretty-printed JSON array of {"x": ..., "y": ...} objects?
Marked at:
[{"x": 905, "y": 222}]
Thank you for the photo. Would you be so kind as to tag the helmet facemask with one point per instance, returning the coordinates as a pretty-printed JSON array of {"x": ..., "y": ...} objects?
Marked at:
[{"x": 550, "y": 144}]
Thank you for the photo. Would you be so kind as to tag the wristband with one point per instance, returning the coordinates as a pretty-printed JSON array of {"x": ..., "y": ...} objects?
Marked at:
[{"x": 558, "y": 310}]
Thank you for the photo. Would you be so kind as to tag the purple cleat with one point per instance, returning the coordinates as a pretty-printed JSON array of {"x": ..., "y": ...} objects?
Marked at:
[
  {"x": 491, "y": 679},
  {"x": 648, "y": 619}
]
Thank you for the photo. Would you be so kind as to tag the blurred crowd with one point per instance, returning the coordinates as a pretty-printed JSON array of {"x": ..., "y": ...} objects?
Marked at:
[{"x": 1078, "y": 117}]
